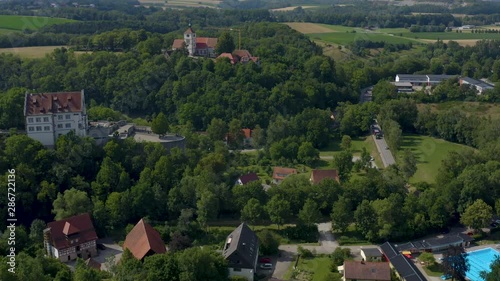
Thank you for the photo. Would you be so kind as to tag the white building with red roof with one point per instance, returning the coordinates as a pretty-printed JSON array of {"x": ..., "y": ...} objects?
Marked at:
[
  {"x": 196, "y": 46},
  {"x": 50, "y": 115},
  {"x": 240, "y": 56},
  {"x": 71, "y": 238}
]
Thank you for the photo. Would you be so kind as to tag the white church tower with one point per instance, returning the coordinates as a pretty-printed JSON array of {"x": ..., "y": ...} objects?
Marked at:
[{"x": 190, "y": 40}]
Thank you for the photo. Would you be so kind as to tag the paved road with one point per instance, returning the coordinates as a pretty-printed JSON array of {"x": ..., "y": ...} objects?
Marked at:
[{"x": 382, "y": 147}]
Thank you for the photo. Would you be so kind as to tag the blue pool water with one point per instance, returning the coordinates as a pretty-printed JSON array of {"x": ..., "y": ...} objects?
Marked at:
[{"x": 480, "y": 260}]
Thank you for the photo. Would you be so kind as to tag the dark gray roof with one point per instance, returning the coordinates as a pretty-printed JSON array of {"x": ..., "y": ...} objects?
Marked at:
[
  {"x": 412, "y": 77},
  {"x": 405, "y": 268},
  {"x": 434, "y": 242},
  {"x": 371, "y": 252},
  {"x": 440, "y": 77},
  {"x": 242, "y": 247},
  {"x": 479, "y": 83}
]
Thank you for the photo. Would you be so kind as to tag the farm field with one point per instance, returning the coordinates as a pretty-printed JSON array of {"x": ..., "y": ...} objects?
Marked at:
[
  {"x": 181, "y": 3},
  {"x": 306, "y": 6},
  {"x": 429, "y": 153},
  {"x": 30, "y": 52},
  {"x": 451, "y": 35},
  {"x": 18, "y": 23},
  {"x": 347, "y": 38}
]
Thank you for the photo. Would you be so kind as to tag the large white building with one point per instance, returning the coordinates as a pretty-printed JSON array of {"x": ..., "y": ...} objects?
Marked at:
[{"x": 50, "y": 115}]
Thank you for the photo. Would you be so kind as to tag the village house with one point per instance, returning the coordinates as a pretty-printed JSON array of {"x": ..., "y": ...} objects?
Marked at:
[
  {"x": 241, "y": 250},
  {"x": 250, "y": 177},
  {"x": 318, "y": 176},
  {"x": 143, "y": 240},
  {"x": 280, "y": 173},
  {"x": 478, "y": 85},
  {"x": 50, "y": 115},
  {"x": 366, "y": 271},
  {"x": 371, "y": 254},
  {"x": 240, "y": 56},
  {"x": 71, "y": 238},
  {"x": 196, "y": 46}
]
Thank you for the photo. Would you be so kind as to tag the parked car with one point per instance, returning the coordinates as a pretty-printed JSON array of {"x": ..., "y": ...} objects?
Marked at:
[
  {"x": 266, "y": 266},
  {"x": 265, "y": 260}
]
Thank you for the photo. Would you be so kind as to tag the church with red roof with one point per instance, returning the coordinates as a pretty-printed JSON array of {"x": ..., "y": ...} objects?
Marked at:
[{"x": 196, "y": 46}]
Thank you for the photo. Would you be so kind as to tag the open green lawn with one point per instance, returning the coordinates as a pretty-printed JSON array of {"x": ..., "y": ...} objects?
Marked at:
[
  {"x": 357, "y": 145},
  {"x": 433, "y": 270},
  {"x": 451, "y": 35},
  {"x": 30, "y": 52},
  {"x": 429, "y": 153},
  {"x": 313, "y": 269},
  {"x": 18, "y": 23},
  {"x": 344, "y": 38}
]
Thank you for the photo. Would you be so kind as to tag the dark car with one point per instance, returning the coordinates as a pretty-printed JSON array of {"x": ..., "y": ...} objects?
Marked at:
[{"x": 265, "y": 260}]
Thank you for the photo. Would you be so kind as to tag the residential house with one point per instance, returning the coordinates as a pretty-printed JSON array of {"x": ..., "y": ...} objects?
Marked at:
[
  {"x": 143, "y": 240},
  {"x": 422, "y": 79},
  {"x": 240, "y": 56},
  {"x": 50, "y": 115},
  {"x": 242, "y": 251},
  {"x": 71, "y": 238},
  {"x": 250, "y": 177},
  {"x": 280, "y": 173},
  {"x": 196, "y": 46},
  {"x": 365, "y": 271},
  {"x": 371, "y": 254},
  {"x": 319, "y": 175},
  {"x": 479, "y": 85},
  {"x": 404, "y": 268}
]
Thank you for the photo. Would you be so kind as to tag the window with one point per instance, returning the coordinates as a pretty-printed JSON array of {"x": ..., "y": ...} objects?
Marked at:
[
  {"x": 45, "y": 119},
  {"x": 68, "y": 125},
  {"x": 59, "y": 117},
  {"x": 38, "y": 119},
  {"x": 59, "y": 126},
  {"x": 38, "y": 128},
  {"x": 31, "y": 129},
  {"x": 68, "y": 117},
  {"x": 30, "y": 120},
  {"x": 46, "y": 128}
]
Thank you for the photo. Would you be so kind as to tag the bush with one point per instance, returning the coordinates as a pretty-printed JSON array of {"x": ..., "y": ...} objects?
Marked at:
[
  {"x": 269, "y": 242},
  {"x": 340, "y": 255},
  {"x": 301, "y": 233},
  {"x": 305, "y": 253}
]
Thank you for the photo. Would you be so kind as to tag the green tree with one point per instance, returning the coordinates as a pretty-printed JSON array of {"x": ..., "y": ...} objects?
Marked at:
[
  {"x": 344, "y": 164},
  {"x": 164, "y": 267},
  {"x": 160, "y": 124},
  {"x": 366, "y": 220},
  {"x": 208, "y": 207},
  {"x": 217, "y": 129},
  {"x": 252, "y": 212},
  {"x": 307, "y": 154},
  {"x": 477, "y": 215},
  {"x": 258, "y": 137},
  {"x": 243, "y": 193},
  {"x": 339, "y": 255},
  {"x": 408, "y": 164},
  {"x": 427, "y": 258},
  {"x": 36, "y": 231},
  {"x": 269, "y": 242},
  {"x": 225, "y": 44},
  {"x": 494, "y": 273},
  {"x": 310, "y": 214},
  {"x": 278, "y": 210},
  {"x": 455, "y": 263},
  {"x": 72, "y": 202},
  {"x": 236, "y": 136},
  {"x": 202, "y": 264},
  {"x": 383, "y": 91},
  {"x": 341, "y": 215},
  {"x": 346, "y": 142}
]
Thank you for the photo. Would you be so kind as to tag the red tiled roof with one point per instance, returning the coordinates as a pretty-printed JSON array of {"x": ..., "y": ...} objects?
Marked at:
[
  {"x": 377, "y": 271},
  {"x": 242, "y": 53},
  {"x": 280, "y": 173},
  {"x": 229, "y": 56},
  {"x": 189, "y": 31},
  {"x": 318, "y": 175},
  {"x": 178, "y": 44},
  {"x": 80, "y": 226},
  {"x": 142, "y": 239},
  {"x": 207, "y": 41},
  {"x": 249, "y": 178},
  {"x": 247, "y": 133},
  {"x": 45, "y": 103}
]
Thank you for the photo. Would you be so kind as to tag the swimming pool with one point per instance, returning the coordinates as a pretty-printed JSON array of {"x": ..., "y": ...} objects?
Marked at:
[{"x": 480, "y": 260}]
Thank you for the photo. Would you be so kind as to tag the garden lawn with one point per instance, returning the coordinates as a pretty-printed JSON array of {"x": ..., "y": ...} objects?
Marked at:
[
  {"x": 429, "y": 153},
  {"x": 313, "y": 269},
  {"x": 19, "y": 23}
]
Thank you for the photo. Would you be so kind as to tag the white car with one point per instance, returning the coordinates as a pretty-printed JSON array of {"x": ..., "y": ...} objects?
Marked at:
[{"x": 266, "y": 266}]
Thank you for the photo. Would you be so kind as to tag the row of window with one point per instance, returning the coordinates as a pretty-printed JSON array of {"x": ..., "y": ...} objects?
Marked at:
[
  {"x": 46, "y": 119},
  {"x": 47, "y": 128}
]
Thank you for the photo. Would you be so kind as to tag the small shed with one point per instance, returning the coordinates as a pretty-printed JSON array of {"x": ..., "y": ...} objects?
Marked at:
[{"x": 371, "y": 254}]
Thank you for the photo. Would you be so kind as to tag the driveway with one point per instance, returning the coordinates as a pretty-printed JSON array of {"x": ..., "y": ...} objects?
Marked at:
[
  {"x": 385, "y": 154},
  {"x": 354, "y": 159}
]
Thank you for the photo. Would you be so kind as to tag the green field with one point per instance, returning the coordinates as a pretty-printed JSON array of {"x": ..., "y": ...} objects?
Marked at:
[
  {"x": 19, "y": 23},
  {"x": 429, "y": 153},
  {"x": 451, "y": 35},
  {"x": 357, "y": 146},
  {"x": 314, "y": 269},
  {"x": 347, "y": 38}
]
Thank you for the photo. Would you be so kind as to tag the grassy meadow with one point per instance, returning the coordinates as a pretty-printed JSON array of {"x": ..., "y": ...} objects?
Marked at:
[
  {"x": 429, "y": 153},
  {"x": 19, "y": 23},
  {"x": 30, "y": 52},
  {"x": 487, "y": 110},
  {"x": 180, "y": 3}
]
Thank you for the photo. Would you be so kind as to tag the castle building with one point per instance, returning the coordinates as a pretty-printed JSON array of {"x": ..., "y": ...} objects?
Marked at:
[
  {"x": 50, "y": 115},
  {"x": 196, "y": 46}
]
